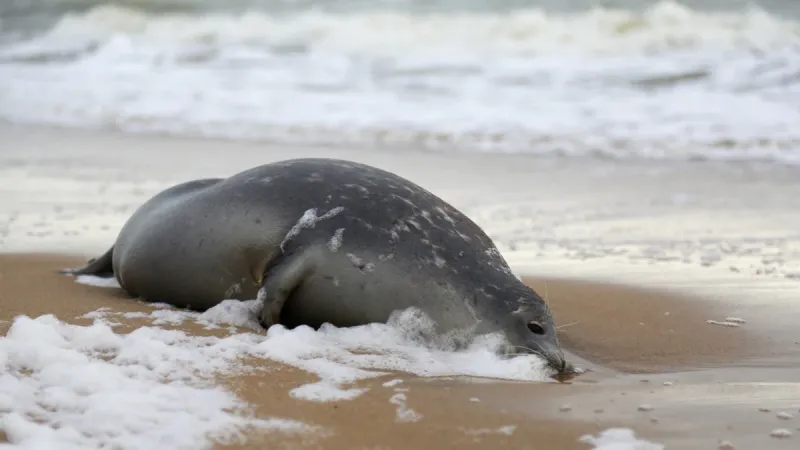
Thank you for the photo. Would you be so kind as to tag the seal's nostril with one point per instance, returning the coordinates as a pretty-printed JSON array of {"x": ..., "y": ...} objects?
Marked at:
[{"x": 536, "y": 328}]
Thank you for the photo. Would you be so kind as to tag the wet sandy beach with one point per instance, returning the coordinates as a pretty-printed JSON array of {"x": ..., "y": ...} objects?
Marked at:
[
  {"x": 675, "y": 380},
  {"x": 634, "y": 259}
]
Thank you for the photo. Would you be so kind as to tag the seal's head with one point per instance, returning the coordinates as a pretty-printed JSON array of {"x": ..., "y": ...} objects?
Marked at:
[{"x": 532, "y": 330}]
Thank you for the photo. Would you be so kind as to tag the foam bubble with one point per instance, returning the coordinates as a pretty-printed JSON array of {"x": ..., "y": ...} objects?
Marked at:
[
  {"x": 723, "y": 323},
  {"x": 507, "y": 430},
  {"x": 392, "y": 383},
  {"x": 781, "y": 433},
  {"x": 233, "y": 312},
  {"x": 404, "y": 413},
  {"x": 93, "y": 280},
  {"x": 325, "y": 391},
  {"x": 336, "y": 240},
  {"x": 619, "y": 439}
]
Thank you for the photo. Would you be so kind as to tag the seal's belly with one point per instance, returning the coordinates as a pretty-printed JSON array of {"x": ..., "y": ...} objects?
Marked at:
[
  {"x": 343, "y": 295},
  {"x": 347, "y": 298}
]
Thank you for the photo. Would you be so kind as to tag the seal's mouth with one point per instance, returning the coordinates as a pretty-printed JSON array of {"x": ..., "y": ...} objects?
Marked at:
[
  {"x": 557, "y": 366},
  {"x": 566, "y": 373},
  {"x": 556, "y": 362},
  {"x": 561, "y": 370}
]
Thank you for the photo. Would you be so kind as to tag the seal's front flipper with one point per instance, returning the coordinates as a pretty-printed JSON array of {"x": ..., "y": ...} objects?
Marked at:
[
  {"x": 101, "y": 267},
  {"x": 279, "y": 282}
]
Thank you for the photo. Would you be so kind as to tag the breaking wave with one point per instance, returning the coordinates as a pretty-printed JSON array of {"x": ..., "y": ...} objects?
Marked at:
[{"x": 665, "y": 82}]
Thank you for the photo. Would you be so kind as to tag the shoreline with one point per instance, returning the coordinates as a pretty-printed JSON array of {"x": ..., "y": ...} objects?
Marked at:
[{"x": 745, "y": 164}]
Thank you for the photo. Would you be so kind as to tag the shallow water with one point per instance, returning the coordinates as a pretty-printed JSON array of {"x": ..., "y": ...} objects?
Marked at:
[{"x": 704, "y": 79}]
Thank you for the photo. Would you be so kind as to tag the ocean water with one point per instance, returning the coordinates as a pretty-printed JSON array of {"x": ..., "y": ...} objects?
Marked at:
[{"x": 704, "y": 79}]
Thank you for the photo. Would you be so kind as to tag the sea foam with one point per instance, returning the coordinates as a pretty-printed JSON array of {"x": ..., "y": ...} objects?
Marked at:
[
  {"x": 667, "y": 82},
  {"x": 91, "y": 387}
]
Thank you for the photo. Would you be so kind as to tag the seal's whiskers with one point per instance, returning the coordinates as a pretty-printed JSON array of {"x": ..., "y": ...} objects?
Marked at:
[
  {"x": 546, "y": 299},
  {"x": 567, "y": 325}
]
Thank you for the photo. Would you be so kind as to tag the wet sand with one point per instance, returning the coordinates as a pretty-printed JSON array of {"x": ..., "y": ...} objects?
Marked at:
[
  {"x": 676, "y": 363},
  {"x": 640, "y": 330},
  {"x": 634, "y": 257}
]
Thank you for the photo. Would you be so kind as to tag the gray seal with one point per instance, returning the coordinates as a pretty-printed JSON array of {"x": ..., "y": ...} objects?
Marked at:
[{"x": 325, "y": 240}]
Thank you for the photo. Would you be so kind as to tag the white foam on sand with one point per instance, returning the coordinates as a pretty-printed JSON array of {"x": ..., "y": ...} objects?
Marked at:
[
  {"x": 507, "y": 430},
  {"x": 404, "y": 414},
  {"x": 93, "y": 280},
  {"x": 343, "y": 355},
  {"x": 406, "y": 343},
  {"x": 85, "y": 387},
  {"x": 619, "y": 439},
  {"x": 89, "y": 387}
]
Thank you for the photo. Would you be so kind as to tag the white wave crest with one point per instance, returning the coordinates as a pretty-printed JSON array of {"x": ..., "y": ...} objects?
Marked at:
[
  {"x": 666, "y": 25},
  {"x": 667, "y": 82}
]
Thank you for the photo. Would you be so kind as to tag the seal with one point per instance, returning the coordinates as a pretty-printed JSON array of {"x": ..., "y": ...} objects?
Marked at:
[{"x": 326, "y": 240}]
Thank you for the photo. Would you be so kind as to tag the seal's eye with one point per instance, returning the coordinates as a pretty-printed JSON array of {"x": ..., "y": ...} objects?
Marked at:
[{"x": 535, "y": 327}]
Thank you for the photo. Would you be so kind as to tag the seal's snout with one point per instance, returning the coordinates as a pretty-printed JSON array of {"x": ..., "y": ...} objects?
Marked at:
[{"x": 560, "y": 363}]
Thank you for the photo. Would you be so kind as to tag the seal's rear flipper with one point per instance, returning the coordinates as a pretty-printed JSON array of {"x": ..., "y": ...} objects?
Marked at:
[{"x": 101, "y": 267}]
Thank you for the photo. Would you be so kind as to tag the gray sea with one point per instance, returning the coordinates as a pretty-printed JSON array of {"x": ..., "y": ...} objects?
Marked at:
[{"x": 707, "y": 79}]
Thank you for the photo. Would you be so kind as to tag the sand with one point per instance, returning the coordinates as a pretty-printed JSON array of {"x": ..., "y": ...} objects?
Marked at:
[
  {"x": 31, "y": 286},
  {"x": 639, "y": 324},
  {"x": 693, "y": 410}
]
